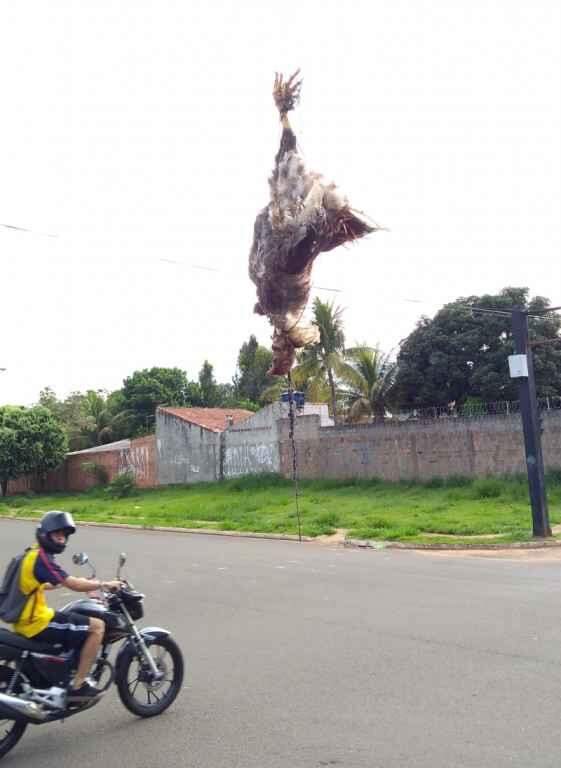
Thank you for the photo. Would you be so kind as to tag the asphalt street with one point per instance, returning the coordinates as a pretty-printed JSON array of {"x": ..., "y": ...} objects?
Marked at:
[{"x": 303, "y": 655}]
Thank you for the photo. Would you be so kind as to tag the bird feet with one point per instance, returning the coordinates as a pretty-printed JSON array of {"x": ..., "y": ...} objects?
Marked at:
[{"x": 286, "y": 93}]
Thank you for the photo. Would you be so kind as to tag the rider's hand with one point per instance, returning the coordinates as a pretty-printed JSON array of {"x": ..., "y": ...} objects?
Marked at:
[{"x": 111, "y": 586}]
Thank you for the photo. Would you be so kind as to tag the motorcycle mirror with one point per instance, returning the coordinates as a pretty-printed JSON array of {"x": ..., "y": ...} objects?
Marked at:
[
  {"x": 80, "y": 558},
  {"x": 122, "y": 561}
]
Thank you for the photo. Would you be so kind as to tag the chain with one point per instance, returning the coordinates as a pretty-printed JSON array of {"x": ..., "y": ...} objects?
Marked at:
[{"x": 294, "y": 455}]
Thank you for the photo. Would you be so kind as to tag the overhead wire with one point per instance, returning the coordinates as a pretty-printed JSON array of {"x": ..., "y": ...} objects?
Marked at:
[{"x": 498, "y": 311}]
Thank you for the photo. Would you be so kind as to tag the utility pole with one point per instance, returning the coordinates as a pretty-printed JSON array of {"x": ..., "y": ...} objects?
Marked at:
[{"x": 522, "y": 367}]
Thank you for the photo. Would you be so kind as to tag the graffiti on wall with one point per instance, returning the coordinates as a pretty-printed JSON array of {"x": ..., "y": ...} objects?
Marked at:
[
  {"x": 135, "y": 460},
  {"x": 248, "y": 459}
]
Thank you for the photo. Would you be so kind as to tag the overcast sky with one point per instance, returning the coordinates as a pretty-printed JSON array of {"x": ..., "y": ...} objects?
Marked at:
[{"x": 142, "y": 133}]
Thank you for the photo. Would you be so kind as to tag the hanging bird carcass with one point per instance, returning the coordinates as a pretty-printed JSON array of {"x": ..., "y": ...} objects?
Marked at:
[{"x": 305, "y": 216}]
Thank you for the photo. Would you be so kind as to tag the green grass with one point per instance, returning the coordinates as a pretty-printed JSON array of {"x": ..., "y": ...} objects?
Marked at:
[{"x": 430, "y": 512}]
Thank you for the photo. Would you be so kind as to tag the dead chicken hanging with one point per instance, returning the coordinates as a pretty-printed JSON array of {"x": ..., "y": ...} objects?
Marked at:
[{"x": 305, "y": 216}]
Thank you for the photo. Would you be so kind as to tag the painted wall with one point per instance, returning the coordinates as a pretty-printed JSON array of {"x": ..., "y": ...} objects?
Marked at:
[
  {"x": 252, "y": 447},
  {"x": 138, "y": 456},
  {"x": 186, "y": 453},
  {"x": 420, "y": 451}
]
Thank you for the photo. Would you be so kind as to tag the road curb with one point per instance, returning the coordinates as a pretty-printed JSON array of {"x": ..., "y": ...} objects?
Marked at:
[
  {"x": 170, "y": 529},
  {"x": 348, "y": 543},
  {"x": 374, "y": 544}
]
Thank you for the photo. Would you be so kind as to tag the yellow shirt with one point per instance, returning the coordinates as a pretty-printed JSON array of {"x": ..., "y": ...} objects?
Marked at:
[{"x": 36, "y": 614}]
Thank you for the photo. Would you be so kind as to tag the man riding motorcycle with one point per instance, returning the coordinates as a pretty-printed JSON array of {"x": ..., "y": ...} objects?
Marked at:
[{"x": 40, "y": 572}]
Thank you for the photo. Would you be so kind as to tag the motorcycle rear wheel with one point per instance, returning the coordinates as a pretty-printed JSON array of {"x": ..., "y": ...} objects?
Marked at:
[
  {"x": 139, "y": 694},
  {"x": 11, "y": 731}
]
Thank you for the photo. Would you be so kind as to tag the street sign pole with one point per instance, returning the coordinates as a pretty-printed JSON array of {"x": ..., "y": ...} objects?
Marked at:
[{"x": 522, "y": 368}]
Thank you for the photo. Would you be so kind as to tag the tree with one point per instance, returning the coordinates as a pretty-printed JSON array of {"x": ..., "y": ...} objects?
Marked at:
[
  {"x": 70, "y": 415},
  {"x": 207, "y": 386},
  {"x": 369, "y": 381},
  {"x": 253, "y": 363},
  {"x": 145, "y": 390},
  {"x": 103, "y": 419},
  {"x": 320, "y": 365},
  {"x": 462, "y": 354},
  {"x": 90, "y": 418},
  {"x": 31, "y": 442}
]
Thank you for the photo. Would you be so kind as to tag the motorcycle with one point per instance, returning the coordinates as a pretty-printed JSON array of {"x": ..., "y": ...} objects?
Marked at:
[{"x": 34, "y": 676}]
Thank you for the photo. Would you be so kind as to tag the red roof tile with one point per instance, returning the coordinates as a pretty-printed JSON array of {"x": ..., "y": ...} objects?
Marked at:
[{"x": 214, "y": 419}]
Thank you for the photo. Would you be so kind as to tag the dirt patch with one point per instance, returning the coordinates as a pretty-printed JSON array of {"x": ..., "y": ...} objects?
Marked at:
[{"x": 334, "y": 538}]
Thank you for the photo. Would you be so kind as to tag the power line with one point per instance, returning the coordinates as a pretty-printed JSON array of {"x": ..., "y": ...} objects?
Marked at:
[
  {"x": 24, "y": 229},
  {"x": 506, "y": 312}
]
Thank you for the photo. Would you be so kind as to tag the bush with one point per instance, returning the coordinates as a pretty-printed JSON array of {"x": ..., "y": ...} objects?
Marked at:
[
  {"x": 487, "y": 488},
  {"x": 122, "y": 485},
  {"x": 434, "y": 482},
  {"x": 553, "y": 476},
  {"x": 458, "y": 481},
  {"x": 97, "y": 471}
]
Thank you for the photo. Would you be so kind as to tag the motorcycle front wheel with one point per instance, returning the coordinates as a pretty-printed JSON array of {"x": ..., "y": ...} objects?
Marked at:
[
  {"x": 139, "y": 692},
  {"x": 11, "y": 731}
]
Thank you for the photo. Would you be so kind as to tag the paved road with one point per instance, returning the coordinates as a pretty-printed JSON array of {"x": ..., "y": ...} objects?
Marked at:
[{"x": 303, "y": 656}]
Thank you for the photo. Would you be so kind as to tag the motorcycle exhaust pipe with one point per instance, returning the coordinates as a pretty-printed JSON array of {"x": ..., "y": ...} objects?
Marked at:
[{"x": 13, "y": 708}]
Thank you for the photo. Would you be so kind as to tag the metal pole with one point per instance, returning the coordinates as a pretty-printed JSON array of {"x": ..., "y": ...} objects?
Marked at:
[
  {"x": 530, "y": 423},
  {"x": 294, "y": 453}
]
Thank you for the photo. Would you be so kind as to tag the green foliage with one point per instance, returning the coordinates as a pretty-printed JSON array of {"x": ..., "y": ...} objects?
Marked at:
[
  {"x": 97, "y": 471},
  {"x": 90, "y": 418},
  {"x": 319, "y": 366},
  {"x": 461, "y": 354},
  {"x": 369, "y": 382},
  {"x": 31, "y": 442},
  {"x": 123, "y": 485},
  {"x": 253, "y": 363},
  {"x": 487, "y": 488},
  {"x": 145, "y": 390},
  {"x": 553, "y": 476},
  {"x": 364, "y": 508},
  {"x": 207, "y": 386}
]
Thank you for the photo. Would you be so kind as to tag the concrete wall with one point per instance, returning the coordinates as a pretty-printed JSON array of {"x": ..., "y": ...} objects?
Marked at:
[
  {"x": 252, "y": 447},
  {"x": 191, "y": 454},
  {"x": 421, "y": 451},
  {"x": 186, "y": 453}
]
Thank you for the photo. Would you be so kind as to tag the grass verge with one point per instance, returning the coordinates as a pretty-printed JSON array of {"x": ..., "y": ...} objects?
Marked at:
[{"x": 457, "y": 510}]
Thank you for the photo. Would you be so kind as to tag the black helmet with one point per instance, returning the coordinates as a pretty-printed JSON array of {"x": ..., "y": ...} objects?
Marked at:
[{"x": 50, "y": 522}]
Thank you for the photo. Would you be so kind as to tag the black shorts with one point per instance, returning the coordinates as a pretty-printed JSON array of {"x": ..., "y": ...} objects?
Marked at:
[{"x": 67, "y": 629}]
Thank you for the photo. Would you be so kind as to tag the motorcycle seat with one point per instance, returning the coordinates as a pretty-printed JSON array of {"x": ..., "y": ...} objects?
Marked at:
[{"x": 25, "y": 644}]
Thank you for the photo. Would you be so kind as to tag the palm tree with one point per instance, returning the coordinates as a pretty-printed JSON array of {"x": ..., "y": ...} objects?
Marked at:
[
  {"x": 370, "y": 378},
  {"x": 320, "y": 365},
  {"x": 103, "y": 419}
]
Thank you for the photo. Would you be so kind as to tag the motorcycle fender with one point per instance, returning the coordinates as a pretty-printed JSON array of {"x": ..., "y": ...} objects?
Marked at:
[{"x": 128, "y": 649}]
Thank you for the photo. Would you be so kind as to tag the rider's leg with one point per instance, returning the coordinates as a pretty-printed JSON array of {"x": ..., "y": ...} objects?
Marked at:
[{"x": 89, "y": 651}]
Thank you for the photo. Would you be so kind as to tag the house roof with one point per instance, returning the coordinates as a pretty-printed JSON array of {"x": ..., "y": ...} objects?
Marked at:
[
  {"x": 118, "y": 445},
  {"x": 214, "y": 419}
]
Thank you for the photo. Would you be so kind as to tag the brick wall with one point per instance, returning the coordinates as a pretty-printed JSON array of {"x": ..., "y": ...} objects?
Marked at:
[
  {"x": 493, "y": 445},
  {"x": 139, "y": 457}
]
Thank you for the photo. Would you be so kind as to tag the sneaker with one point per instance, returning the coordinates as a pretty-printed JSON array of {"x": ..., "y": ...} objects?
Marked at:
[{"x": 85, "y": 692}]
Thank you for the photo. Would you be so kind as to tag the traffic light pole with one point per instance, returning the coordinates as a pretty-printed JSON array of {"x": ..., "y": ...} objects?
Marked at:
[{"x": 531, "y": 425}]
